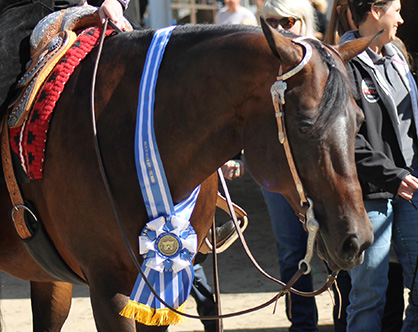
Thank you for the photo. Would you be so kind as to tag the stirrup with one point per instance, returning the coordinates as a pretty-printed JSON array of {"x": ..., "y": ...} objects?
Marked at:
[{"x": 226, "y": 234}]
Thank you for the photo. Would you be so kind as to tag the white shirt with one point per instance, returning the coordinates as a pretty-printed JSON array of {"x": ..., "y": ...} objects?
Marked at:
[{"x": 241, "y": 16}]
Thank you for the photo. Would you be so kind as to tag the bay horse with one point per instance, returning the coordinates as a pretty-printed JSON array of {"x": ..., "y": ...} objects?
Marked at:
[{"x": 212, "y": 100}]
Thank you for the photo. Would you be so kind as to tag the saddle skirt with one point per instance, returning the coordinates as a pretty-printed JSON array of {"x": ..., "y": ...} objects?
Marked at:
[{"x": 39, "y": 69}]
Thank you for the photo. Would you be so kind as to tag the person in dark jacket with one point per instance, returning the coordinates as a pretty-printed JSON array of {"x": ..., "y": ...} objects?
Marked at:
[
  {"x": 386, "y": 156},
  {"x": 17, "y": 20}
]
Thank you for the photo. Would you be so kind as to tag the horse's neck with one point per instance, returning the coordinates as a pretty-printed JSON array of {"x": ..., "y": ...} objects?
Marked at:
[
  {"x": 214, "y": 141},
  {"x": 206, "y": 95}
]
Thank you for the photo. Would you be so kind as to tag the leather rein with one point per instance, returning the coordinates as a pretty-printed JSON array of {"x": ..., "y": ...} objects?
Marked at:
[{"x": 306, "y": 215}]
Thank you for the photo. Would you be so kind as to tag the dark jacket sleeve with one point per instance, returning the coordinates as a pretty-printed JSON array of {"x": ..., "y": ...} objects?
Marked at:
[
  {"x": 96, "y": 3},
  {"x": 376, "y": 168},
  {"x": 64, "y": 4},
  {"x": 380, "y": 164}
]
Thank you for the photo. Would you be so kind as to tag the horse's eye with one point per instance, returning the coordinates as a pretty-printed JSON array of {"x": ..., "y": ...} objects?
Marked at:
[
  {"x": 306, "y": 127},
  {"x": 306, "y": 123}
]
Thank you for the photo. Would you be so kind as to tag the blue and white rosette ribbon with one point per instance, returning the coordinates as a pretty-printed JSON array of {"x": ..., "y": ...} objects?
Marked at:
[{"x": 168, "y": 242}]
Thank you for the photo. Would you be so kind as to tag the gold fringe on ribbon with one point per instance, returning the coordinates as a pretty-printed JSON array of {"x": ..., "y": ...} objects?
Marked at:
[{"x": 150, "y": 316}]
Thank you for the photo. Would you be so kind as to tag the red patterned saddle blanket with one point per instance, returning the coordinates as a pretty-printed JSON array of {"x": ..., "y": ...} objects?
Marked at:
[{"x": 28, "y": 141}]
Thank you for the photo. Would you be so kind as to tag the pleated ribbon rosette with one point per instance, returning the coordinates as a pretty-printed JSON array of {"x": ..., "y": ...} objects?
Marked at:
[{"x": 168, "y": 242}]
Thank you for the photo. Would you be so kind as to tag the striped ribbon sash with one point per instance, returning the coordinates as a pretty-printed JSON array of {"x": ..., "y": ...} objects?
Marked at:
[{"x": 168, "y": 242}]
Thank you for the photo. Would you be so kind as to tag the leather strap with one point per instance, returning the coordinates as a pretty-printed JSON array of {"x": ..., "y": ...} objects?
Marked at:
[
  {"x": 288, "y": 152},
  {"x": 287, "y": 286},
  {"x": 217, "y": 291},
  {"x": 278, "y": 102},
  {"x": 12, "y": 185},
  {"x": 278, "y": 94}
]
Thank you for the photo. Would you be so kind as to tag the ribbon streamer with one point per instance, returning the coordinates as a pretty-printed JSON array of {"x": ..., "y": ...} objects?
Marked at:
[{"x": 168, "y": 242}]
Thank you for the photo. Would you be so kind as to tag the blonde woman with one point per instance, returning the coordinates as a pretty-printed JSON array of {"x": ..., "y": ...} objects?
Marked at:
[{"x": 296, "y": 16}]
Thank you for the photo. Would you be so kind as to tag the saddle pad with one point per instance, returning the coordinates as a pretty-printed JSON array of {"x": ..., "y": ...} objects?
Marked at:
[{"x": 29, "y": 140}]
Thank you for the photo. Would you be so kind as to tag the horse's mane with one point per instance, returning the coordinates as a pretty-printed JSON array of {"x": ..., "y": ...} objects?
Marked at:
[
  {"x": 223, "y": 28},
  {"x": 335, "y": 97},
  {"x": 189, "y": 35},
  {"x": 202, "y": 31},
  {"x": 209, "y": 31},
  {"x": 334, "y": 100}
]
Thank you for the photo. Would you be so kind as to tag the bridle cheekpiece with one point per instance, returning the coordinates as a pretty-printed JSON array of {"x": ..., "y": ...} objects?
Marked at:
[{"x": 278, "y": 89}]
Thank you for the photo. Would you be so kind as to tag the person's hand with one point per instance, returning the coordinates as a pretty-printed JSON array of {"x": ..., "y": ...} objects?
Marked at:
[
  {"x": 408, "y": 187},
  {"x": 233, "y": 169},
  {"x": 113, "y": 10}
]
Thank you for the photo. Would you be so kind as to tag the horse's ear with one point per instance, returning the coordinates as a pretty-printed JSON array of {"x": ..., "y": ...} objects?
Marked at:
[
  {"x": 352, "y": 48},
  {"x": 281, "y": 46}
]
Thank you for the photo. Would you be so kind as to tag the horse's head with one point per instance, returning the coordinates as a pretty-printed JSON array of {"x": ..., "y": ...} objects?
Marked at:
[{"x": 321, "y": 120}]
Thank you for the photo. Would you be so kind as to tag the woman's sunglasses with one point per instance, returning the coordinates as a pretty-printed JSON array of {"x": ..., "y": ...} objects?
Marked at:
[{"x": 285, "y": 22}]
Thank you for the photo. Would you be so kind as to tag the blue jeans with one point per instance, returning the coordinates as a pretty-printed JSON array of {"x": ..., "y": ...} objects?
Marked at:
[
  {"x": 394, "y": 220},
  {"x": 202, "y": 293},
  {"x": 291, "y": 244}
]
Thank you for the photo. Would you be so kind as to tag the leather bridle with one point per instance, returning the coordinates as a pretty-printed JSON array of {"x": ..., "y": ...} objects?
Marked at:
[{"x": 278, "y": 89}]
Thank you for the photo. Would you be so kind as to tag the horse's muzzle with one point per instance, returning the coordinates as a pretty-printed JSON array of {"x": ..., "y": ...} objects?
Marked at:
[{"x": 349, "y": 255}]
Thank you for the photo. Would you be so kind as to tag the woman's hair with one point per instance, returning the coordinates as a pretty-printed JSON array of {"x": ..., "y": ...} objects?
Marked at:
[
  {"x": 301, "y": 9},
  {"x": 361, "y": 8},
  {"x": 402, "y": 48},
  {"x": 321, "y": 5},
  {"x": 338, "y": 22}
]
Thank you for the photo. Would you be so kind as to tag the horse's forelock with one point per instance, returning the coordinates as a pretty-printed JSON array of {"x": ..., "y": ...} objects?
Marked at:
[{"x": 334, "y": 99}]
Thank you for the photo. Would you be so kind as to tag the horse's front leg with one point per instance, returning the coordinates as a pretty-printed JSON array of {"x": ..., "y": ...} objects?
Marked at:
[
  {"x": 51, "y": 302},
  {"x": 108, "y": 301},
  {"x": 144, "y": 328}
]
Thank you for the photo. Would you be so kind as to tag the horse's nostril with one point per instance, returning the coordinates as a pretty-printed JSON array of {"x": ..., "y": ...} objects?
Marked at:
[{"x": 351, "y": 247}]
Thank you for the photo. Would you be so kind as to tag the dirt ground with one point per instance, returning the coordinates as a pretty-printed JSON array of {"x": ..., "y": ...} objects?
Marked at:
[{"x": 241, "y": 285}]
